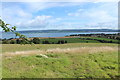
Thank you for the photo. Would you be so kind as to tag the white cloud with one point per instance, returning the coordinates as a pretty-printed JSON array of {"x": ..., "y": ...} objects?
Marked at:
[
  {"x": 106, "y": 25},
  {"x": 77, "y": 13},
  {"x": 34, "y": 6},
  {"x": 39, "y": 22},
  {"x": 74, "y": 14},
  {"x": 102, "y": 16},
  {"x": 21, "y": 13},
  {"x": 15, "y": 14},
  {"x": 94, "y": 15}
]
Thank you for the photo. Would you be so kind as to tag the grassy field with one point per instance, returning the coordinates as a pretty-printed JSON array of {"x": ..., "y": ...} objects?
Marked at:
[
  {"x": 70, "y": 40},
  {"x": 18, "y": 47},
  {"x": 78, "y": 40},
  {"x": 73, "y": 60},
  {"x": 98, "y": 38}
]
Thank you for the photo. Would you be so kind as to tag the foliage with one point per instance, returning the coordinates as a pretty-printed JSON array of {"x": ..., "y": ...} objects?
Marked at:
[
  {"x": 12, "y": 42},
  {"x": 36, "y": 40},
  {"x": 5, "y": 28},
  {"x": 45, "y": 42}
]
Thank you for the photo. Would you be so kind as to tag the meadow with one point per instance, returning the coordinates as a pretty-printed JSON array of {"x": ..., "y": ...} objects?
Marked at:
[{"x": 72, "y": 60}]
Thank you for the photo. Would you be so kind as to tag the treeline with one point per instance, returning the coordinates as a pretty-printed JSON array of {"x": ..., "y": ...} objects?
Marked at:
[
  {"x": 102, "y": 35},
  {"x": 33, "y": 41},
  {"x": 102, "y": 41}
]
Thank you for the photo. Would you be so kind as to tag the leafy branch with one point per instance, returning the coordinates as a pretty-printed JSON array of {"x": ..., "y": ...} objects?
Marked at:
[{"x": 5, "y": 28}]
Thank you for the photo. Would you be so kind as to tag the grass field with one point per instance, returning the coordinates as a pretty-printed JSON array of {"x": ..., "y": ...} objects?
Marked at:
[
  {"x": 70, "y": 40},
  {"x": 98, "y": 38},
  {"x": 73, "y": 60},
  {"x": 78, "y": 40}
]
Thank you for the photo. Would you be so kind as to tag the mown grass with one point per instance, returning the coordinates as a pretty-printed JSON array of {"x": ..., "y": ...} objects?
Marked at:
[{"x": 85, "y": 63}]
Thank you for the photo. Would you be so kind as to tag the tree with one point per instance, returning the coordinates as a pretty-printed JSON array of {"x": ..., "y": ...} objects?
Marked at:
[
  {"x": 13, "y": 42},
  {"x": 65, "y": 41},
  {"x": 5, "y": 28},
  {"x": 36, "y": 40},
  {"x": 6, "y": 42},
  {"x": 60, "y": 42},
  {"x": 45, "y": 42},
  {"x": 18, "y": 41}
]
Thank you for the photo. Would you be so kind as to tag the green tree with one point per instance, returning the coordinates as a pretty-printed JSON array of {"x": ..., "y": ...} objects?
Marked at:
[
  {"x": 5, "y": 28},
  {"x": 36, "y": 40},
  {"x": 13, "y": 42}
]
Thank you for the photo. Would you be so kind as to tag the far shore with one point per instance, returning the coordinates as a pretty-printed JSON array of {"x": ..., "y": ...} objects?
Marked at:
[{"x": 50, "y": 37}]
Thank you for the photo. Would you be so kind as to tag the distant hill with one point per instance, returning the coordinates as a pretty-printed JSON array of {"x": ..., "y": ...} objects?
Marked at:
[{"x": 71, "y": 30}]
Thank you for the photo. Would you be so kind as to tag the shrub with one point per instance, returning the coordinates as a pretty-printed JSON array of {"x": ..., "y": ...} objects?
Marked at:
[
  {"x": 6, "y": 42},
  {"x": 23, "y": 41},
  {"x": 36, "y": 40},
  {"x": 45, "y": 42},
  {"x": 52, "y": 42},
  {"x": 13, "y": 42},
  {"x": 65, "y": 41},
  {"x": 60, "y": 42},
  {"x": 18, "y": 41}
]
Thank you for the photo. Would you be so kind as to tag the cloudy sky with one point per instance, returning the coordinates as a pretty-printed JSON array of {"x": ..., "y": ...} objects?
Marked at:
[{"x": 61, "y": 15}]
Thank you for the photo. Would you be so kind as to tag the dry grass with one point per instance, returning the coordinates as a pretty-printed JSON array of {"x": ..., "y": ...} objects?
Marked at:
[
  {"x": 79, "y": 50},
  {"x": 27, "y": 47}
]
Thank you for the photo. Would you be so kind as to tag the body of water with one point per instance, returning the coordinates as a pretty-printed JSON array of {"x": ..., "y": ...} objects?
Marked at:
[{"x": 50, "y": 34}]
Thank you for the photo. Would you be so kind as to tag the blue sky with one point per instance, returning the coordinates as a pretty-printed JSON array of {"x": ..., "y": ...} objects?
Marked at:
[{"x": 61, "y": 15}]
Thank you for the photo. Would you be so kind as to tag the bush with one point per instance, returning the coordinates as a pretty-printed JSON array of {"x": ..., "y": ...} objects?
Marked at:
[
  {"x": 61, "y": 42},
  {"x": 6, "y": 42},
  {"x": 65, "y": 41},
  {"x": 53, "y": 43},
  {"x": 18, "y": 41},
  {"x": 45, "y": 42},
  {"x": 23, "y": 41},
  {"x": 13, "y": 42},
  {"x": 0, "y": 42},
  {"x": 36, "y": 40}
]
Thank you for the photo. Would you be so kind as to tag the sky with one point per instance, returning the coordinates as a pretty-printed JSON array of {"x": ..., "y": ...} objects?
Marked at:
[{"x": 61, "y": 15}]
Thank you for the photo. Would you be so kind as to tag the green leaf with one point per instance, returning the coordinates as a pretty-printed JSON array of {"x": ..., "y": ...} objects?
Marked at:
[
  {"x": 17, "y": 34},
  {"x": 14, "y": 28},
  {"x": 22, "y": 36},
  {"x": 7, "y": 24}
]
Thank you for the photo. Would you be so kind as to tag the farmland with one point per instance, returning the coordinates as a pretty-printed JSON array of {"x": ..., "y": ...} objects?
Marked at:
[
  {"x": 71, "y": 60},
  {"x": 60, "y": 40}
]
